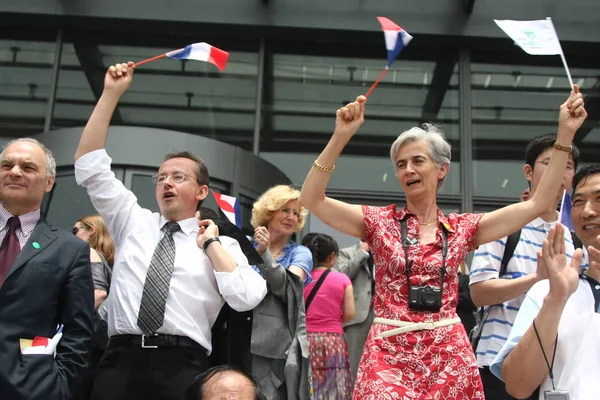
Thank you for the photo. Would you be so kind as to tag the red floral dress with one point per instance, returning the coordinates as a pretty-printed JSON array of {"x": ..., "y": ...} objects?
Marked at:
[{"x": 427, "y": 364}]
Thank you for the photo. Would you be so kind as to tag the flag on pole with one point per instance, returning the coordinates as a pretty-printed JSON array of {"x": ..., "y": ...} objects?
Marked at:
[
  {"x": 201, "y": 52},
  {"x": 197, "y": 51},
  {"x": 565, "y": 212},
  {"x": 537, "y": 37},
  {"x": 396, "y": 39},
  {"x": 230, "y": 207}
]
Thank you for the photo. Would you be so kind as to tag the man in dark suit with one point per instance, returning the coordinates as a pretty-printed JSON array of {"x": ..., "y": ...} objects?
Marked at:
[{"x": 45, "y": 281}]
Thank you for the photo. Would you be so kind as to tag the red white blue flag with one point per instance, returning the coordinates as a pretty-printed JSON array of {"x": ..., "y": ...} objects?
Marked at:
[
  {"x": 396, "y": 39},
  {"x": 201, "y": 52},
  {"x": 230, "y": 207},
  {"x": 197, "y": 51}
]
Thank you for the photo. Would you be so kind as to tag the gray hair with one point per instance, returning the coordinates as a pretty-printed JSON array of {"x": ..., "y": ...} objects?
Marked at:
[
  {"x": 439, "y": 148},
  {"x": 50, "y": 161}
]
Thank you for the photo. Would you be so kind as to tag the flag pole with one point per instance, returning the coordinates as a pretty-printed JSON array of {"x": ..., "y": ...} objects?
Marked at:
[
  {"x": 562, "y": 55},
  {"x": 385, "y": 71},
  {"x": 150, "y": 59}
]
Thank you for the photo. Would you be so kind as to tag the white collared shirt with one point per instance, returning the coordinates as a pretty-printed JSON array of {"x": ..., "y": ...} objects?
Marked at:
[
  {"x": 576, "y": 365},
  {"x": 196, "y": 293}
]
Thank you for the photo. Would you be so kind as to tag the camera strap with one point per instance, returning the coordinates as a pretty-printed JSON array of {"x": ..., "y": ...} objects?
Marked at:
[{"x": 406, "y": 242}]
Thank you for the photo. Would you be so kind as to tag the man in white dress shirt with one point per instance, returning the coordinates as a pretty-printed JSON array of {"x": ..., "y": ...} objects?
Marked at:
[{"x": 172, "y": 274}]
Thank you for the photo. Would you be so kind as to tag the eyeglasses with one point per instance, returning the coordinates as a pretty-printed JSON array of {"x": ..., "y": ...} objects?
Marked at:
[
  {"x": 177, "y": 177},
  {"x": 289, "y": 211},
  {"x": 77, "y": 229},
  {"x": 570, "y": 167}
]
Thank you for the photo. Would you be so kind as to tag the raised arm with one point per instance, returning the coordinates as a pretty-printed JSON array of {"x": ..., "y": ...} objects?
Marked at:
[
  {"x": 507, "y": 220},
  {"x": 344, "y": 217},
  {"x": 117, "y": 80}
]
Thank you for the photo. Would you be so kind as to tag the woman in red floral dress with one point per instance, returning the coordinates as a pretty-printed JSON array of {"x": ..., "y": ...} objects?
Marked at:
[{"x": 417, "y": 348}]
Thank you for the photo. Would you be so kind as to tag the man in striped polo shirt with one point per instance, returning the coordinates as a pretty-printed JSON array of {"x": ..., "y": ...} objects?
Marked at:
[{"x": 506, "y": 294}]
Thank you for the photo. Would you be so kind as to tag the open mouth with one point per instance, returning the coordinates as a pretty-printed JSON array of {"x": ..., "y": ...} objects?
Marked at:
[
  {"x": 591, "y": 227},
  {"x": 168, "y": 195},
  {"x": 410, "y": 183}
]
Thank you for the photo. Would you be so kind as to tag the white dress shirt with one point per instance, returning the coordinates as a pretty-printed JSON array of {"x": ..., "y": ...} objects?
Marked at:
[{"x": 197, "y": 292}]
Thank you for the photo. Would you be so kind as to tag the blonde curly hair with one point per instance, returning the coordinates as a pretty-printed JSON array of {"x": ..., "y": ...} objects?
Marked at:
[{"x": 272, "y": 200}]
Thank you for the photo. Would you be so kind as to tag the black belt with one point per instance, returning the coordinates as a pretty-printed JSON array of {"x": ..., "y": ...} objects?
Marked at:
[{"x": 153, "y": 341}]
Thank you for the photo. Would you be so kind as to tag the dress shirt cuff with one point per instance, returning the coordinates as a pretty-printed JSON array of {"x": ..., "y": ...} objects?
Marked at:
[
  {"x": 231, "y": 283},
  {"x": 90, "y": 164}
]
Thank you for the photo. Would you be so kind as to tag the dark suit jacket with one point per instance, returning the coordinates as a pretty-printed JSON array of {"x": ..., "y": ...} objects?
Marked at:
[{"x": 45, "y": 287}]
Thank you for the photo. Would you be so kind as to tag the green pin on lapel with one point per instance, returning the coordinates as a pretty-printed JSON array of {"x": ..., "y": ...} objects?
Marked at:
[{"x": 36, "y": 245}]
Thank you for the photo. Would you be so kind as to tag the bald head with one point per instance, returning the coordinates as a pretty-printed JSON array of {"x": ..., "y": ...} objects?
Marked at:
[
  {"x": 228, "y": 385},
  {"x": 27, "y": 172},
  {"x": 225, "y": 383}
]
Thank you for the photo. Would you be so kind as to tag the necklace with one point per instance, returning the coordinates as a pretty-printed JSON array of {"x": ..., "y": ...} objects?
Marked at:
[{"x": 427, "y": 223}]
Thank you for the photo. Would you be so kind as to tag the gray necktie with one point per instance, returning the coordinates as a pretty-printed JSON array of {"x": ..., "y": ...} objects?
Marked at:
[{"x": 158, "y": 280}]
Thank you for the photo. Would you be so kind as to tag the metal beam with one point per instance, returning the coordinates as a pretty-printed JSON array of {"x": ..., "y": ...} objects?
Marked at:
[
  {"x": 466, "y": 132},
  {"x": 54, "y": 85},
  {"x": 92, "y": 63},
  {"x": 301, "y": 142},
  {"x": 442, "y": 74},
  {"x": 468, "y": 6},
  {"x": 259, "y": 98},
  {"x": 268, "y": 95}
]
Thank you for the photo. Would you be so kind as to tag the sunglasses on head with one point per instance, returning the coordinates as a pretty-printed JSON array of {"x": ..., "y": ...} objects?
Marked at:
[{"x": 76, "y": 229}]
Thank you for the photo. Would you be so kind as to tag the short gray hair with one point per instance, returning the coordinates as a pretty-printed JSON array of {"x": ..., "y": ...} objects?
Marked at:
[
  {"x": 50, "y": 161},
  {"x": 439, "y": 148}
]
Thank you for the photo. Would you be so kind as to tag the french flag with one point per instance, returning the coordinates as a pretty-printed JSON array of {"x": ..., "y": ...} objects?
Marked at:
[
  {"x": 230, "y": 207},
  {"x": 396, "y": 39},
  {"x": 201, "y": 52},
  {"x": 565, "y": 212}
]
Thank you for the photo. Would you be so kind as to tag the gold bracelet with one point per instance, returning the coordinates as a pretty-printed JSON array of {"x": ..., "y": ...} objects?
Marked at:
[
  {"x": 560, "y": 147},
  {"x": 323, "y": 168}
]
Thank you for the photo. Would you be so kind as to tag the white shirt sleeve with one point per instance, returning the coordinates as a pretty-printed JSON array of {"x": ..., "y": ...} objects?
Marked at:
[
  {"x": 486, "y": 261},
  {"x": 527, "y": 313},
  {"x": 243, "y": 289},
  {"x": 116, "y": 204}
]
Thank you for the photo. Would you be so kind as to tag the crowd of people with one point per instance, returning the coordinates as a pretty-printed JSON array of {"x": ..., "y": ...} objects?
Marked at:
[{"x": 126, "y": 306}]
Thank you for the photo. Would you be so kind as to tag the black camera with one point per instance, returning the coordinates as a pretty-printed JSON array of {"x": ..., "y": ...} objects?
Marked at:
[{"x": 427, "y": 298}]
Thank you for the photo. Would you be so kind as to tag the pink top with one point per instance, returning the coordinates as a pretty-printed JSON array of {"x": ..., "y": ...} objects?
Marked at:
[{"x": 325, "y": 312}]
